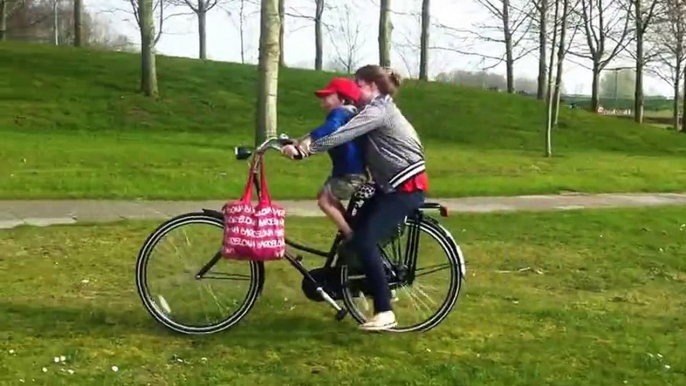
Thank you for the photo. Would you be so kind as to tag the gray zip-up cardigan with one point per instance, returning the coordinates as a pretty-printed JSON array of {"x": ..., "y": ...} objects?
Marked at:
[{"x": 394, "y": 154}]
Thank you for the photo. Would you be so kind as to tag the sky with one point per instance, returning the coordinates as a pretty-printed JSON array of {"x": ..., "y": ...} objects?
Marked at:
[{"x": 180, "y": 37}]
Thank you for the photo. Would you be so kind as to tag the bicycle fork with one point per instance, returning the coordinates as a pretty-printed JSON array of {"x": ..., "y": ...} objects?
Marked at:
[{"x": 217, "y": 256}]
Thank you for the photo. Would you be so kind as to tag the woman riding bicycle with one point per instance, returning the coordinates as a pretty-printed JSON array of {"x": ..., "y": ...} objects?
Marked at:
[{"x": 395, "y": 158}]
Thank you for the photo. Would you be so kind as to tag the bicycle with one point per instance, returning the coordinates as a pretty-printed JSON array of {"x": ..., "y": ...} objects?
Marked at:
[{"x": 332, "y": 283}]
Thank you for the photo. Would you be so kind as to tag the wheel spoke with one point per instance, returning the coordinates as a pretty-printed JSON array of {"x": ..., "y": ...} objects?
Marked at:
[
  {"x": 424, "y": 303},
  {"x": 199, "y": 306},
  {"x": 416, "y": 300},
  {"x": 418, "y": 288},
  {"x": 433, "y": 269},
  {"x": 226, "y": 276}
]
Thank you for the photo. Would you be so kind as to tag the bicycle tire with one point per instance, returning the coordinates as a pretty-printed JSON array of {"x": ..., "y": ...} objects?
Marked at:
[
  {"x": 255, "y": 287},
  {"x": 453, "y": 252}
]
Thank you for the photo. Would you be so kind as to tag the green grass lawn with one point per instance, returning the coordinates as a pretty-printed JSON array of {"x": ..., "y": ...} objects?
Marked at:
[
  {"x": 73, "y": 125},
  {"x": 601, "y": 305},
  {"x": 182, "y": 166},
  {"x": 658, "y": 113}
]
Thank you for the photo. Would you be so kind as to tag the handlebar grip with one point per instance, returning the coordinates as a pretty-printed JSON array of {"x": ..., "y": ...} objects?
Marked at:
[
  {"x": 300, "y": 154},
  {"x": 284, "y": 142}
]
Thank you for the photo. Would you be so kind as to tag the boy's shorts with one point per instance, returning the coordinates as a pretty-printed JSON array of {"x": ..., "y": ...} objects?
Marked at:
[{"x": 344, "y": 187}]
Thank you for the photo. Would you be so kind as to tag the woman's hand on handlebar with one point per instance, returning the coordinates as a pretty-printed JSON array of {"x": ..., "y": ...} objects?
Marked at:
[
  {"x": 291, "y": 152},
  {"x": 304, "y": 145},
  {"x": 294, "y": 149}
]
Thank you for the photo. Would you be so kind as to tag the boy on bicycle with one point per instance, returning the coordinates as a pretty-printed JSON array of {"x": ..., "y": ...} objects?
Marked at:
[{"x": 338, "y": 100}]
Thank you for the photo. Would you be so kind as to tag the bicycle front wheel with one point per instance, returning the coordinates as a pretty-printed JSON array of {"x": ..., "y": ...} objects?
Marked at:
[
  {"x": 184, "y": 282},
  {"x": 424, "y": 267}
]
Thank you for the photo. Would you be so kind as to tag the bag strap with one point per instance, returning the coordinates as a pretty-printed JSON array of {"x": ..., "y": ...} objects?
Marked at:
[
  {"x": 265, "y": 198},
  {"x": 247, "y": 192}
]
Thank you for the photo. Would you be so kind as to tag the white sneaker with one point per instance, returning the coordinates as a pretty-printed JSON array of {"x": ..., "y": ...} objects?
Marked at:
[{"x": 380, "y": 322}]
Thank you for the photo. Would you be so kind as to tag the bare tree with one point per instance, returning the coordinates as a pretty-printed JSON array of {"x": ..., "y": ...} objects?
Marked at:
[
  {"x": 408, "y": 47},
  {"x": 242, "y": 30},
  {"x": 542, "y": 13},
  {"x": 424, "y": 41},
  {"x": 200, "y": 9},
  {"x": 239, "y": 17},
  {"x": 3, "y": 19},
  {"x": 643, "y": 17},
  {"x": 282, "y": 33},
  {"x": 317, "y": 17},
  {"x": 513, "y": 26},
  {"x": 7, "y": 9},
  {"x": 606, "y": 29},
  {"x": 146, "y": 23},
  {"x": 78, "y": 26},
  {"x": 55, "y": 21},
  {"x": 670, "y": 40},
  {"x": 35, "y": 21},
  {"x": 563, "y": 23},
  {"x": 146, "y": 12},
  {"x": 385, "y": 33},
  {"x": 346, "y": 39},
  {"x": 268, "y": 71},
  {"x": 549, "y": 93}
]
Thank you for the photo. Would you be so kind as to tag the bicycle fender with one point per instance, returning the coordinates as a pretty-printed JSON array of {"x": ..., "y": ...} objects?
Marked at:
[{"x": 214, "y": 213}]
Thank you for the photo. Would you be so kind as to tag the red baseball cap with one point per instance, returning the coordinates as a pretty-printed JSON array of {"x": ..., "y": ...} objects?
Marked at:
[{"x": 344, "y": 86}]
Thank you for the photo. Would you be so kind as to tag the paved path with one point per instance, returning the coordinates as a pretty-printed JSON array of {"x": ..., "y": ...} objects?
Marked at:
[{"x": 41, "y": 213}]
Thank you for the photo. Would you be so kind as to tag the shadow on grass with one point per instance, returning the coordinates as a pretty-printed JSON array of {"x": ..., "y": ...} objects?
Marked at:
[{"x": 52, "y": 321}]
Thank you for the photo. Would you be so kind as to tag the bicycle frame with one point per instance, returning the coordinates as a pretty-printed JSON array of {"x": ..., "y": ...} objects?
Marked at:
[{"x": 331, "y": 256}]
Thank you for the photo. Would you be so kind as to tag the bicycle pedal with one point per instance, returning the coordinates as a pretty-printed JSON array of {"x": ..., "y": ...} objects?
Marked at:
[{"x": 298, "y": 258}]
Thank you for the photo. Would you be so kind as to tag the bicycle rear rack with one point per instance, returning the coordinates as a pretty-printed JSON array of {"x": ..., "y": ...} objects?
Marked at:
[{"x": 443, "y": 210}]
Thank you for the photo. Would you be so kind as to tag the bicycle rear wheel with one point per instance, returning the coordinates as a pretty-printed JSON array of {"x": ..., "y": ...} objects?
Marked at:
[
  {"x": 176, "y": 292},
  {"x": 425, "y": 273}
]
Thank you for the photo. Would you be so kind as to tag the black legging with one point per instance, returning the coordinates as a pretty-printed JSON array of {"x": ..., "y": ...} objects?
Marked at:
[{"x": 375, "y": 222}]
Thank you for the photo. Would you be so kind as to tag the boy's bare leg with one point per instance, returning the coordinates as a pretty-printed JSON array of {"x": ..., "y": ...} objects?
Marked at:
[{"x": 334, "y": 210}]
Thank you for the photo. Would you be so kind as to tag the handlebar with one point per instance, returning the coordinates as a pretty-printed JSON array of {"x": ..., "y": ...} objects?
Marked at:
[{"x": 273, "y": 143}]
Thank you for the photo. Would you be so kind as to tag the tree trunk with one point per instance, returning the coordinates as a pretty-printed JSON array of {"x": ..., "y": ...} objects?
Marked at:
[
  {"x": 318, "y": 36},
  {"x": 78, "y": 24},
  {"x": 202, "y": 29},
  {"x": 148, "y": 68},
  {"x": 509, "y": 63},
  {"x": 3, "y": 20},
  {"x": 385, "y": 32},
  {"x": 509, "y": 58},
  {"x": 683, "y": 107},
  {"x": 638, "y": 92},
  {"x": 282, "y": 32},
  {"x": 549, "y": 91},
  {"x": 424, "y": 41},
  {"x": 268, "y": 71},
  {"x": 595, "y": 86},
  {"x": 561, "y": 51},
  {"x": 242, "y": 30},
  {"x": 675, "y": 105},
  {"x": 542, "y": 23},
  {"x": 55, "y": 26}
]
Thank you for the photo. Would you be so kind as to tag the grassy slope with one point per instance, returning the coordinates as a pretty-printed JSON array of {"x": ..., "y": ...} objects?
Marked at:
[
  {"x": 606, "y": 310},
  {"x": 72, "y": 125}
]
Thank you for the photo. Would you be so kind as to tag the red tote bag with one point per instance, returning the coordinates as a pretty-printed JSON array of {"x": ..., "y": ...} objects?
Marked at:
[{"x": 254, "y": 233}]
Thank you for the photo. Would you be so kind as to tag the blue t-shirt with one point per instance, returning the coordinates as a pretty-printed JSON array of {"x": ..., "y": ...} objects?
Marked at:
[{"x": 347, "y": 158}]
